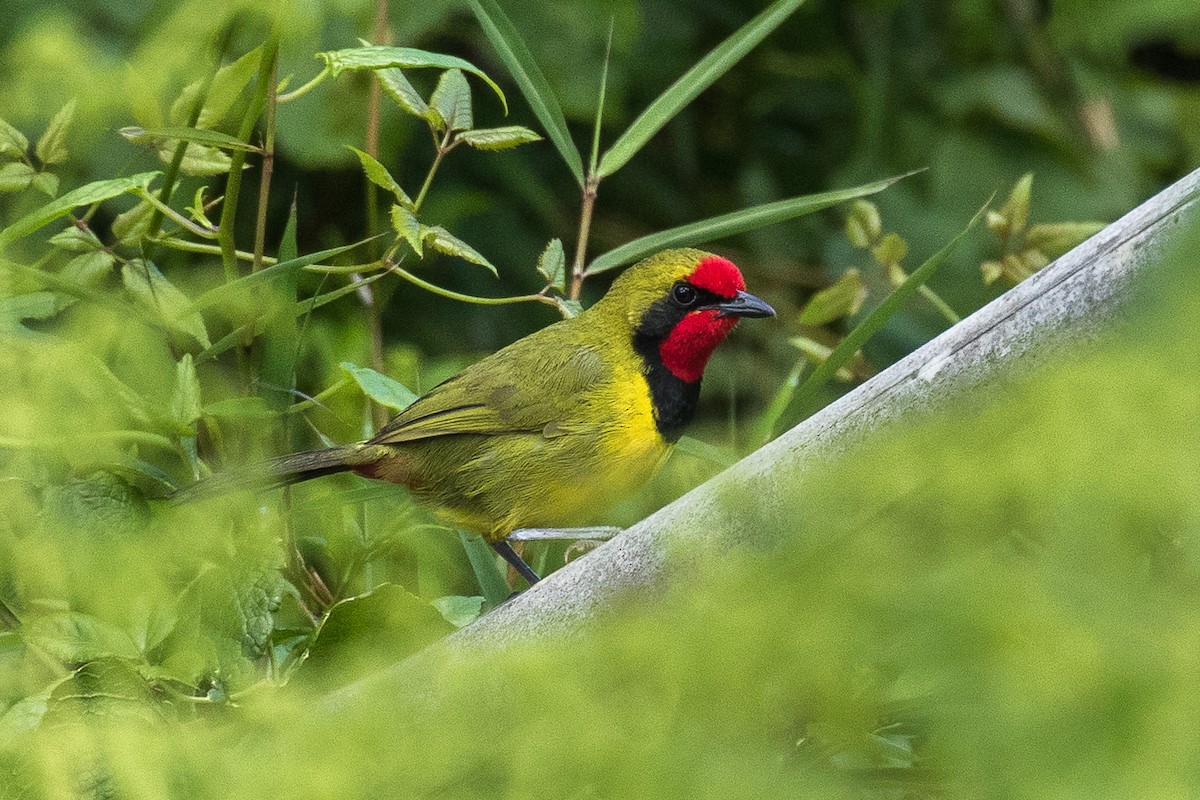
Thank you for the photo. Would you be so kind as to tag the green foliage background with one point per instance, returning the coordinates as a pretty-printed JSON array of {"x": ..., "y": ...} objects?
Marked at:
[{"x": 998, "y": 605}]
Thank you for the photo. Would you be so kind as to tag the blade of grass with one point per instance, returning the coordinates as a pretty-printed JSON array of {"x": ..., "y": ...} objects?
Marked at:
[
  {"x": 487, "y": 570},
  {"x": 733, "y": 223},
  {"x": 693, "y": 82},
  {"x": 802, "y": 401},
  {"x": 528, "y": 75},
  {"x": 600, "y": 102}
]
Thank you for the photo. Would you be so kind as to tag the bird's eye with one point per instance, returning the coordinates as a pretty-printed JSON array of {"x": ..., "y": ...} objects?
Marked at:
[{"x": 684, "y": 294}]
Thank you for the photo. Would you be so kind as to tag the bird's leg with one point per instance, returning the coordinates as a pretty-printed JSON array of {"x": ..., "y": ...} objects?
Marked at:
[
  {"x": 600, "y": 533},
  {"x": 505, "y": 550}
]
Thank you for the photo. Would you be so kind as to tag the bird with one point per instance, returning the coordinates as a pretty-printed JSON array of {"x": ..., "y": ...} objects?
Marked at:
[{"x": 562, "y": 422}]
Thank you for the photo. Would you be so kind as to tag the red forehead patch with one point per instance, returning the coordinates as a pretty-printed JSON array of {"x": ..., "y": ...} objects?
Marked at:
[{"x": 717, "y": 275}]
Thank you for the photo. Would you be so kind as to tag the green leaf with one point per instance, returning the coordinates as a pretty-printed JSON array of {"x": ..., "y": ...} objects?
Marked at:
[
  {"x": 83, "y": 196},
  {"x": 198, "y": 160},
  {"x": 452, "y": 99},
  {"x": 379, "y": 387},
  {"x": 185, "y": 399},
  {"x": 870, "y": 324},
  {"x": 75, "y": 239},
  {"x": 154, "y": 292},
  {"x": 382, "y": 57},
  {"x": 694, "y": 81},
  {"x": 378, "y": 174},
  {"x": 156, "y": 136},
  {"x": 488, "y": 572},
  {"x": 409, "y": 228},
  {"x": 499, "y": 138},
  {"x": 733, "y": 223},
  {"x": 705, "y": 452},
  {"x": 16, "y": 176},
  {"x": 533, "y": 84},
  {"x": 12, "y": 141},
  {"x": 842, "y": 299},
  {"x": 46, "y": 183},
  {"x": 271, "y": 273},
  {"x": 459, "y": 611},
  {"x": 227, "y": 85},
  {"x": 552, "y": 263},
  {"x": 88, "y": 269},
  {"x": 399, "y": 89},
  {"x": 445, "y": 242},
  {"x": 32, "y": 305},
  {"x": 133, "y": 224},
  {"x": 52, "y": 147},
  {"x": 1056, "y": 238},
  {"x": 242, "y": 408},
  {"x": 74, "y": 638}
]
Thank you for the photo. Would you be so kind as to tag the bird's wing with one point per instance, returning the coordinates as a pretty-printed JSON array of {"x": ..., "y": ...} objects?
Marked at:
[{"x": 531, "y": 386}]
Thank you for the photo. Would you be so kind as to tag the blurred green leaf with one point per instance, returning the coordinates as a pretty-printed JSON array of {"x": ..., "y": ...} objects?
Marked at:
[
  {"x": 511, "y": 49},
  {"x": 891, "y": 249},
  {"x": 72, "y": 637},
  {"x": 380, "y": 388},
  {"x": 552, "y": 264},
  {"x": 863, "y": 223},
  {"x": 280, "y": 343},
  {"x": 227, "y": 85},
  {"x": 843, "y": 299},
  {"x": 16, "y": 176},
  {"x": 155, "y": 136},
  {"x": 498, "y": 138},
  {"x": 459, "y": 611},
  {"x": 705, "y": 72},
  {"x": 198, "y": 160},
  {"x": 52, "y": 147},
  {"x": 158, "y": 295},
  {"x": 1056, "y": 238},
  {"x": 32, "y": 305},
  {"x": 488, "y": 572},
  {"x": 46, "y": 183},
  {"x": 382, "y": 57},
  {"x": 185, "y": 399},
  {"x": 131, "y": 225},
  {"x": 12, "y": 142},
  {"x": 85, "y": 195},
  {"x": 75, "y": 239},
  {"x": 746, "y": 219},
  {"x": 452, "y": 99},
  {"x": 88, "y": 269},
  {"x": 378, "y": 174}
]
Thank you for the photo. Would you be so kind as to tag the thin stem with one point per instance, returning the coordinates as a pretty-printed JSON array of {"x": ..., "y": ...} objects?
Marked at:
[
  {"x": 590, "y": 187},
  {"x": 268, "y": 167},
  {"x": 210, "y": 249},
  {"x": 467, "y": 298},
  {"x": 305, "y": 89},
  {"x": 940, "y": 304},
  {"x": 165, "y": 210},
  {"x": 442, "y": 149}
]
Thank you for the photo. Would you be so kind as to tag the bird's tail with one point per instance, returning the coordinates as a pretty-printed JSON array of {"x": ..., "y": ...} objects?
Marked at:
[{"x": 279, "y": 471}]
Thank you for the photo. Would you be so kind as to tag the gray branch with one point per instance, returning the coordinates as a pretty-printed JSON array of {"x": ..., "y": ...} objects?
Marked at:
[{"x": 1060, "y": 308}]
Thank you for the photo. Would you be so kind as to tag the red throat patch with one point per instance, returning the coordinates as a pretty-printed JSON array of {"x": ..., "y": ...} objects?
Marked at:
[
  {"x": 686, "y": 349},
  {"x": 718, "y": 275}
]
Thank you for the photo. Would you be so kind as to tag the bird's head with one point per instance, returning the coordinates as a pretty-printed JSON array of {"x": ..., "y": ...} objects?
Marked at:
[{"x": 679, "y": 305}]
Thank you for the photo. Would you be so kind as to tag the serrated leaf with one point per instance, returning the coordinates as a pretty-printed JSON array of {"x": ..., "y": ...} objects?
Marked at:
[
  {"x": 185, "y": 398},
  {"x": 459, "y": 611},
  {"x": 567, "y": 307},
  {"x": 533, "y": 84},
  {"x": 172, "y": 136},
  {"x": 1056, "y": 238},
  {"x": 409, "y": 228},
  {"x": 153, "y": 291},
  {"x": 718, "y": 61},
  {"x": 843, "y": 299},
  {"x": 85, "y": 195},
  {"x": 74, "y": 239},
  {"x": 227, "y": 84},
  {"x": 379, "y": 387},
  {"x": 12, "y": 141},
  {"x": 452, "y": 98},
  {"x": 383, "y": 57},
  {"x": 746, "y": 219},
  {"x": 198, "y": 160},
  {"x": 16, "y": 176},
  {"x": 74, "y": 638},
  {"x": 399, "y": 89},
  {"x": 52, "y": 147},
  {"x": 499, "y": 138},
  {"x": 445, "y": 242},
  {"x": 133, "y": 224},
  {"x": 46, "y": 183},
  {"x": 88, "y": 269},
  {"x": 552, "y": 263},
  {"x": 378, "y": 174}
]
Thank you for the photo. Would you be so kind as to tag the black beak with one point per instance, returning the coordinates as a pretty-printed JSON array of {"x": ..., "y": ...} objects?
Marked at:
[{"x": 744, "y": 305}]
